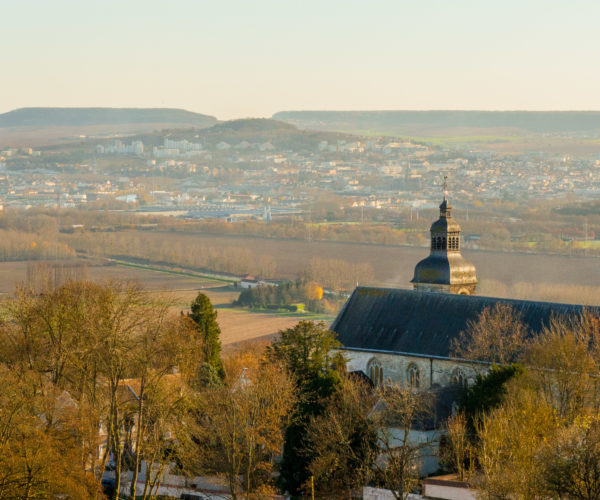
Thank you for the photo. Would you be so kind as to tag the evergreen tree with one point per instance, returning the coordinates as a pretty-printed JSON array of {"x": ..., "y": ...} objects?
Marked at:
[
  {"x": 306, "y": 351},
  {"x": 487, "y": 393},
  {"x": 205, "y": 319}
]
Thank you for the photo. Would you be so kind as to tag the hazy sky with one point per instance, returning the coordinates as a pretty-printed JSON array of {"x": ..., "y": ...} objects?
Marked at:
[{"x": 255, "y": 57}]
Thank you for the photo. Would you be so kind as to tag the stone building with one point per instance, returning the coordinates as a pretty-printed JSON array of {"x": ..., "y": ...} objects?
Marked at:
[{"x": 405, "y": 337}]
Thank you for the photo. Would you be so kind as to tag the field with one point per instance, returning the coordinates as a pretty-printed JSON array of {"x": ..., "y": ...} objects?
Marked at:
[
  {"x": 526, "y": 276},
  {"x": 237, "y": 325},
  {"x": 394, "y": 265}
]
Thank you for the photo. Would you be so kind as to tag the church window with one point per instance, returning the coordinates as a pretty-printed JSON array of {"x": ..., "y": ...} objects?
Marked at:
[
  {"x": 413, "y": 376},
  {"x": 459, "y": 378},
  {"x": 375, "y": 371},
  {"x": 444, "y": 243}
]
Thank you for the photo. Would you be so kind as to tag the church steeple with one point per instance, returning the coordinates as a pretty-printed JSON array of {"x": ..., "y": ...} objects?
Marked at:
[{"x": 445, "y": 269}]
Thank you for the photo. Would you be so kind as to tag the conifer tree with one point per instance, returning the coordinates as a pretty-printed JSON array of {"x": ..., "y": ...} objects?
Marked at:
[{"x": 205, "y": 319}]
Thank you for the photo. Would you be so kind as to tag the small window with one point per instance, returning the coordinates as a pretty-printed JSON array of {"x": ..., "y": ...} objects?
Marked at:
[{"x": 414, "y": 377}]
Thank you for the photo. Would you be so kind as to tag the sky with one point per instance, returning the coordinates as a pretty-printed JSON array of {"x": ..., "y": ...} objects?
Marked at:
[{"x": 242, "y": 58}]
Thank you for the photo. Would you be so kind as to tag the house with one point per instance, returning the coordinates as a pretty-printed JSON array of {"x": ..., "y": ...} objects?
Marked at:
[{"x": 249, "y": 281}]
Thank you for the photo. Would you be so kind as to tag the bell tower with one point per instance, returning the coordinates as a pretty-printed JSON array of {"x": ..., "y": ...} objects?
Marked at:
[{"x": 445, "y": 269}]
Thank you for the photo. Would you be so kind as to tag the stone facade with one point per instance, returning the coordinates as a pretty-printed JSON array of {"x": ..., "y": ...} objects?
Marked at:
[{"x": 421, "y": 372}]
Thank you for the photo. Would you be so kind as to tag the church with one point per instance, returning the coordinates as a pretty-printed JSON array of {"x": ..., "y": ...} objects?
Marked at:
[{"x": 404, "y": 336}]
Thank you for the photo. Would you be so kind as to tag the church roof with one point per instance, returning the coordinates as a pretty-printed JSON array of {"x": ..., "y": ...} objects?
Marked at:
[{"x": 424, "y": 323}]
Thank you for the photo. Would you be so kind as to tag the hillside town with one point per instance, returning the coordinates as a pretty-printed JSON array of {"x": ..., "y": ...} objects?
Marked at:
[{"x": 241, "y": 180}]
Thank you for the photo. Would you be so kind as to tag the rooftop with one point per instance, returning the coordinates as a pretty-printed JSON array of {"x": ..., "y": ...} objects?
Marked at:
[{"x": 424, "y": 323}]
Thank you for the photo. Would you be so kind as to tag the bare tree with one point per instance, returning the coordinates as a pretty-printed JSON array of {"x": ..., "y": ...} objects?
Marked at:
[
  {"x": 458, "y": 452},
  {"x": 343, "y": 441},
  {"x": 398, "y": 414},
  {"x": 510, "y": 437},
  {"x": 571, "y": 462},
  {"x": 498, "y": 335},
  {"x": 564, "y": 369},
  {"x": 237, "y": 429}
]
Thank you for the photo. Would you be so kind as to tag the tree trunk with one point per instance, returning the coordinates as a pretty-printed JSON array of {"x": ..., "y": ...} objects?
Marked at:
[{"x": 138, "y": 440}]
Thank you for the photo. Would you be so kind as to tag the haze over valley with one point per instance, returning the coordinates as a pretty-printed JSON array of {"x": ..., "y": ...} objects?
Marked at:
[{"x": 299, "y": 250}]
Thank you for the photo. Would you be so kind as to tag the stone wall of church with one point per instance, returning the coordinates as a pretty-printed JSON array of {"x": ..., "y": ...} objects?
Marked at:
[{"x": 408, "y": 370}]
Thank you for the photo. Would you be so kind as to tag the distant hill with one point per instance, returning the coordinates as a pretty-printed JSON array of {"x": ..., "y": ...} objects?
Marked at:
[
  {"x": 440, "y": 122},
  {"x": 84, "y": 117},
  {"x": 251, "y": 130}
]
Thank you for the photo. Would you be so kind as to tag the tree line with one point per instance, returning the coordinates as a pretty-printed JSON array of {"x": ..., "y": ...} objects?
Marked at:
[{"x": 290, "y": 295}]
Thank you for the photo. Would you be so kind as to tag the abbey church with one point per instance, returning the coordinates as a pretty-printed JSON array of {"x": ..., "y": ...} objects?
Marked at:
[{"x": 404, "y": 336}]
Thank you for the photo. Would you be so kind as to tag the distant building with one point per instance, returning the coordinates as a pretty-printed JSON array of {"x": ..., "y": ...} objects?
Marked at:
[{"x": 250, "y": 282}]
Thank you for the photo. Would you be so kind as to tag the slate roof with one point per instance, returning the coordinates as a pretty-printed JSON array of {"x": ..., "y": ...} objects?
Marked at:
[{"x": 424, "y": 323}]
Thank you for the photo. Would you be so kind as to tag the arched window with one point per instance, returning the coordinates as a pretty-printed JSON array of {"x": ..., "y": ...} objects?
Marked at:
[
  {"x": 459, "y": 378},
  {"x": 413, "y": 376},
  {"x": 444, "y": 243},
  {"x": 375, "y": 371}
]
